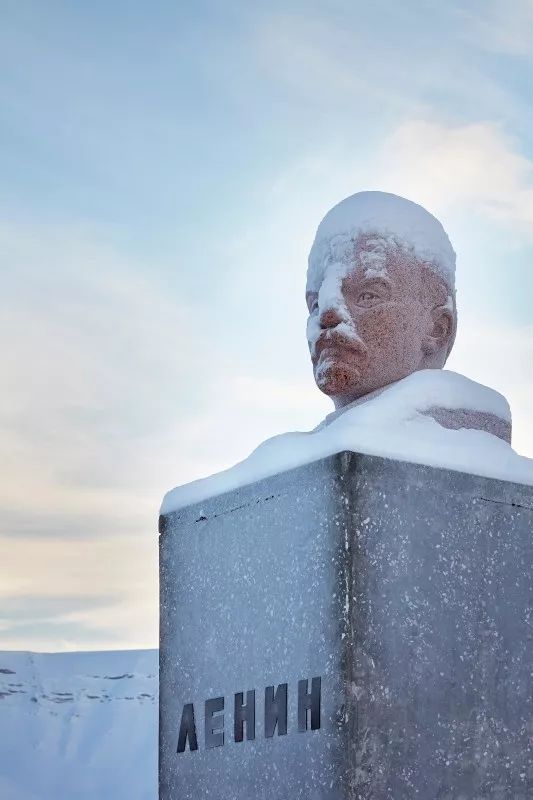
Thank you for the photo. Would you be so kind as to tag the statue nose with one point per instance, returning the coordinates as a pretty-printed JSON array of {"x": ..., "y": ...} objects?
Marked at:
[{"x": 330, "y": 318}]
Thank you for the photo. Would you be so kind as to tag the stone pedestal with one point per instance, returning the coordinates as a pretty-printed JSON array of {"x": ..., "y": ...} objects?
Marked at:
[{"x": 354, "y": 628}]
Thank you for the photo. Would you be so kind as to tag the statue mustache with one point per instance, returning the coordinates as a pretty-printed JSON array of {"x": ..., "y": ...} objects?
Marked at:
[{"x": 333, "y": 338}]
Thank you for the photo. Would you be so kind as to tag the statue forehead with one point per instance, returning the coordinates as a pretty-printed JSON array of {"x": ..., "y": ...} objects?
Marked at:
[
  {"x": 380, "y": 220},
  {"x": 369, "y": 255}
]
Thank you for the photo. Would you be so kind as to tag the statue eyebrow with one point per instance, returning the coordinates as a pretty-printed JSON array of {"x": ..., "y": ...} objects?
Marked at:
[{"x": 375, "y": 280}]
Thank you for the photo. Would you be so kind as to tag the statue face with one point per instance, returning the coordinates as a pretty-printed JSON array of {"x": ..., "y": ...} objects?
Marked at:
[{"x": 378, "y": 316}]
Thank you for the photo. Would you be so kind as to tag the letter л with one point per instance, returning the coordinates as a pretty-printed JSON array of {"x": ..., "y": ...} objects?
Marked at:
[{"x": 187, "y": 729}]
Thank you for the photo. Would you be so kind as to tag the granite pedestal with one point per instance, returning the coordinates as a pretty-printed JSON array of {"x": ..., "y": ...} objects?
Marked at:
[{"x": 355, "y": 628}]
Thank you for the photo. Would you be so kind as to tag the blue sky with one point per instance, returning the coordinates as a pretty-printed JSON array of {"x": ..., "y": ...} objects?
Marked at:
[{"x": 164, "y": 167}]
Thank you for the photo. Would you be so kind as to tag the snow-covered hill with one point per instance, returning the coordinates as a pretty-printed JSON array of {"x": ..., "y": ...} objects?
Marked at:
[{"x": 78, "y": 726}]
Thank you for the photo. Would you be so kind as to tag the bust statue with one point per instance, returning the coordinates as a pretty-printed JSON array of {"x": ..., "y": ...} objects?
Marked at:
[
  {"x": 382, "y": 322},
  {"x": 380, "y": 293},
  {"x": 381, "y": 299}
]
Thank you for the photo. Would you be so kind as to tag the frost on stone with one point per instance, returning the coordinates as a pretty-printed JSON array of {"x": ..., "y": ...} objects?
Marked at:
[{"x": 393, "y": 219}]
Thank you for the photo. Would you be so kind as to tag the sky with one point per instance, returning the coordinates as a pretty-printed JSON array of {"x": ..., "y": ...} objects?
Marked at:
[{"x": 164, "y": 167}]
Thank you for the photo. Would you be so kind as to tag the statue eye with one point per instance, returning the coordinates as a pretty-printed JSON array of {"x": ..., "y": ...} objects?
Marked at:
[
  {"x": 371, "y": 294},
  {"x": 314, "y": 307}
]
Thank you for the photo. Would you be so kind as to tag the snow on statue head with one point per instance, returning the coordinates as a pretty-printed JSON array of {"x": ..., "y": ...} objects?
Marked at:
[{"x": 380, "y": 293}]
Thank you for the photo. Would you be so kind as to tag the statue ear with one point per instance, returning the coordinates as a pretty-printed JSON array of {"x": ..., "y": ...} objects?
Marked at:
[{"x": 441, "y": 329}]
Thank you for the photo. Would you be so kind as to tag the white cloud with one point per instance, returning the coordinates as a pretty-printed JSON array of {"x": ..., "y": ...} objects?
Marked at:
[
  {"x": 459, "y": 170},
  {"x": 474, "y": 167}
]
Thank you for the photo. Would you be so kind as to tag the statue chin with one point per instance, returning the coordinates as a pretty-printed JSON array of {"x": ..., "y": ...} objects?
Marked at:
[{"x": 337, "y": 379}]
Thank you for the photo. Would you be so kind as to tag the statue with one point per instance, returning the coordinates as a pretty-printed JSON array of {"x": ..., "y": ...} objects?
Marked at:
[
  {"x": 382, "y": 322},
  {"x": 381, "y": 298},
  {"x": 370, "y": 572}
]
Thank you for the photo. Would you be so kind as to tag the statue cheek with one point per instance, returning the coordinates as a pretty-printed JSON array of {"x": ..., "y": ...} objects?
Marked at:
[{"x": 379, "y": 325}]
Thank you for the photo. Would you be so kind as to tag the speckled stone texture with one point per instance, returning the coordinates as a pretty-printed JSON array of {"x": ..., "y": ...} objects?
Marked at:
[
  {"x": 379, "y": 315},
  {"x": 407, "y": 589}
]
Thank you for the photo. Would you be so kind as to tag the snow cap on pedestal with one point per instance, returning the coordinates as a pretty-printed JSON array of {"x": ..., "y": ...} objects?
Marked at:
[{"x": 388, "y": 215}]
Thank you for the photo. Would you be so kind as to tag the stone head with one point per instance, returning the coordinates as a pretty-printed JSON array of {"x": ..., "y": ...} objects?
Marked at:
[{"x": 380, "y": 294}]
